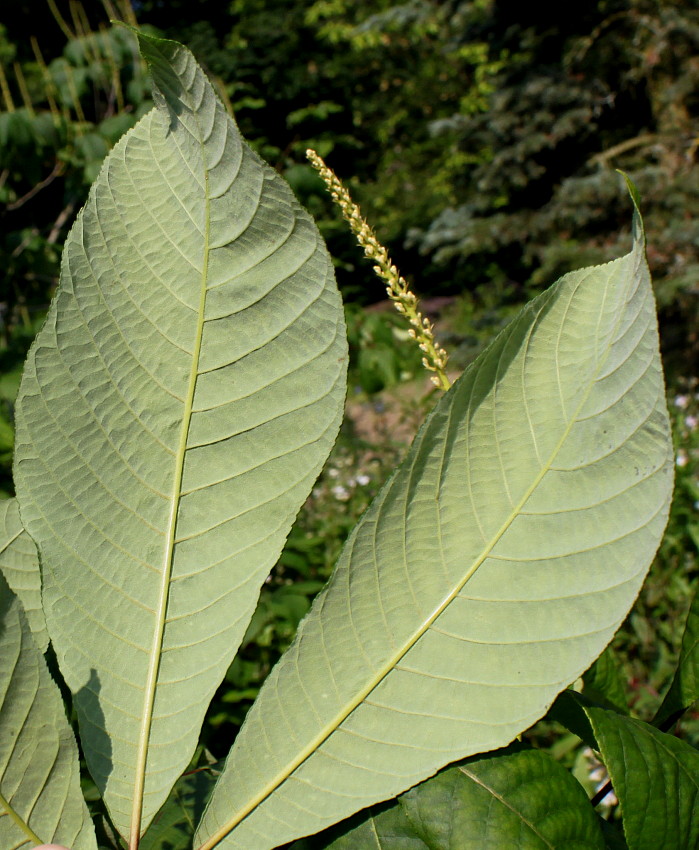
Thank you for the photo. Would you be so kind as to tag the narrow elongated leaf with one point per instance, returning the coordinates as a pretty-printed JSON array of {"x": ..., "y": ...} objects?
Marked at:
[
  {"x": 521, "y": 799},
  {"x": 656, "y": 778},
  {"x": 174, "y": 412},
  {"x": 684, "y": 689},
  {"x": 19, "y": 563},
  {"x": 40, "y": 799},
  {"x": 486, "y": 576}
]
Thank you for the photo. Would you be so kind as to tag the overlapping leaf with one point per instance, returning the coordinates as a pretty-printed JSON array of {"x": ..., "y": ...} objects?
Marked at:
[
  {"x": 684, "y": 689},
  {"x": 174, "y": 411},
  {"x": 173, "y": 827},
  {"x": 519, "y": 799},
  {"x": 655, "y": 777},
  {"x": 40, "y": 798},
  {"x": 489, "y": 572},
  {"x": 19, "y": 563},
  {"x": 604, "y": 682}
]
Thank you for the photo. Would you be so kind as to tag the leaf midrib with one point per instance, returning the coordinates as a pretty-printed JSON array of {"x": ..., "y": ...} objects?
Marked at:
[
  {"x": 506, "y": 804},
  {"x": 17, "y": 820},
  {"x": 341, "y": 716},
  {"x": 171, "y": 539}
]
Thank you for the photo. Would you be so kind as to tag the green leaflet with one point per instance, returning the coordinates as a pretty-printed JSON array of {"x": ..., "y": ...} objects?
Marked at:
[
  {"x": 40, "y": 799},
  {"x": 684, "y": 689},
  {"x": 489, "y": 572},
  {"x": 19, "y": 563},
  {"x": 498, "y": 802},
  {"x": 603, "y": 681},
  {"x": 656, "y": 778},
  {"x": 174, "y": 412}
]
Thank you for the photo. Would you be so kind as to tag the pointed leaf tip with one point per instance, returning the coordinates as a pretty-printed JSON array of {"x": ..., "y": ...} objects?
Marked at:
[
  {"x": 487, "y": 575},
  {"x": 194, "y": 364},
  {"x": 639, "y": 233}
]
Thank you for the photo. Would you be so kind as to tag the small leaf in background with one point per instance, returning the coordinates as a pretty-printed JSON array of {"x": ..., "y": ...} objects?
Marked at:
[
  {"x": 569, "y": 711},
  {"x": 514, "y": 799},
  {"x": 40, "y": 799},
  {"x": 684, "y": 689},
  {"x": 656, "y": 778},
  {"x": 173, "y": 826},
  {"x": 604, "y": 681},
  {"x": 19, "y": 564}
]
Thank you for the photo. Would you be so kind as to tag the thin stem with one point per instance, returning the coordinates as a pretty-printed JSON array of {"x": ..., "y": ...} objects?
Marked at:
[
  {"x": 422, "y": 330},
  {"x": 601, "y": 794}
]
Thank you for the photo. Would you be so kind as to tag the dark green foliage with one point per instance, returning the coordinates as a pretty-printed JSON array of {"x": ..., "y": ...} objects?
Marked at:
[
  {"x": 656, "y": 778},
  {"x": 684, "y": 689},
  {"x": 516, "y": 797}
]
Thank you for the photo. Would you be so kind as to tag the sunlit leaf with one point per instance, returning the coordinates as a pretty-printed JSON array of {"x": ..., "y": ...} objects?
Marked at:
[
  {"x": 490, "y": 571},
  {"x": 174, "y": 412}
]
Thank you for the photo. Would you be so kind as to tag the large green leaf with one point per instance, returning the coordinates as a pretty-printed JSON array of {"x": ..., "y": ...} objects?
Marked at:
[
  {"x": 489, "y": 572},
  {"x": 19, "y": 563},
  {"x": 40, "y": 799},
  {"x": 174, "y": 411},
  {"x": 684, "y": 689},
  {"x": 656, "y": 778},
  {"x": 521, "y": 799}
]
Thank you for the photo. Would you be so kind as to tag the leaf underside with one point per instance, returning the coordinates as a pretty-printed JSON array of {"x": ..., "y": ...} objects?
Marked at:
[
  {"x": 489, "y": 572},
  {"x": 174, "y": 412},
  {"x": 684, "y": 689},
  {"x": 40, "y": 794},
  {"x": 19, "y": 563}
]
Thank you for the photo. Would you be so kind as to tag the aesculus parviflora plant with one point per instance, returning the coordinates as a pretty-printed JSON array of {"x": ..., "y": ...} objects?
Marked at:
[{"x": 174, "y": 412}]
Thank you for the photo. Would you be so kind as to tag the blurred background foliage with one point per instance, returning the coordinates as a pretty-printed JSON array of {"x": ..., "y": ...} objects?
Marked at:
[{"x": 481, "y": 138}]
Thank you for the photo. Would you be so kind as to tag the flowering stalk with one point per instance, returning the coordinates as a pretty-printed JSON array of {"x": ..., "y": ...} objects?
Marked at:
[{"x": 422, "y": 331}]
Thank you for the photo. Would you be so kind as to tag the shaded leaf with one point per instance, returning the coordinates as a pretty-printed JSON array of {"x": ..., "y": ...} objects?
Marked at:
[
  {"x": 40, "y": 799},
  {"x": 684, "y": 689},
  {"x": 173, "y": 827},
  {"x": 19, "y": 563},
  {"x": 656, "y": 778},
  {"x": 604, "y": 680},
  {"x": 518, "y": 799},
  {"x": 569, "y": 711}
]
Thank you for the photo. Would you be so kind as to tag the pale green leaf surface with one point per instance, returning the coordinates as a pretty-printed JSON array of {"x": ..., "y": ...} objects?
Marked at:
[
  {"x": 40, "y": 798},
  {"x": 174, "y": 412},
  {"x": 519, "y": 799},
  {"x": 684, "y": 689},
  {"x": 656, "y": 778},
  {"x": 488, "y": 573},
  {"x": 19, "y": 563}
]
